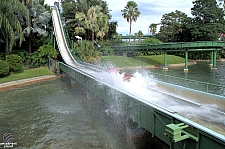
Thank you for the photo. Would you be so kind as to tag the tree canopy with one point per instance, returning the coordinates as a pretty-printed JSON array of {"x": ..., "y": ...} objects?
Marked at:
[
  {"x": 171, "y": 26},
  {"x": 70, "y": 10},
  {"x": 208, "y": 20},
  {"x": 206, "y": 24},
  {"x": 10, "y": 11},
  {"x": 39, "y": 18},
  {"x": 94, "y": 20}
]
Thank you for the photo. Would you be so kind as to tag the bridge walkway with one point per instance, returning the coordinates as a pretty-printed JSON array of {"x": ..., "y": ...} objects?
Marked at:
[{"x": 211, "y": 46}]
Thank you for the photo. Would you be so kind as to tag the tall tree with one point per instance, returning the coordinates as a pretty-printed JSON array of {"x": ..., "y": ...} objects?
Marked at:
[
  {"x": 152, "y": 28},
  {"x": 71, "y": 7},
  {"x": 94, "y": 20},
  {"x": 103, "y": 25},
  {"x": 39, "y": 19},
  {"x": 131, "y": 13},
  {"x": 139, "y": 34},
  {"x": 208, "y": 20},
  {"x": 9, "y": 23},
  {"x": 171, "y": 26},
  {"x": 112, "y": 30}
]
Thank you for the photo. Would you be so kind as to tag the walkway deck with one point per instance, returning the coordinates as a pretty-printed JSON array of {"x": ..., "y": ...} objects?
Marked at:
[{"x": 180, "y": 46}]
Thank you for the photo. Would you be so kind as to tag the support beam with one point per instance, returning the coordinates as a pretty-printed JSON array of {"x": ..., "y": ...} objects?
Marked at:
[
  {"x": 214, "y": 60},
  {"x": 186, "y": 61},
  {"x": 165, "y": 61},
  {"x": 54, "y": 40},
  {"x": 124, "y": 54},
  {"x": 211, "y": 59}
]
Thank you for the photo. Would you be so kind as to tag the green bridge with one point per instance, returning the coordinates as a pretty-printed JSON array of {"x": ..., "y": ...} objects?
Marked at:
[
  {"x": 211, "y": 46},
  {"x": 164, "y": 123}
]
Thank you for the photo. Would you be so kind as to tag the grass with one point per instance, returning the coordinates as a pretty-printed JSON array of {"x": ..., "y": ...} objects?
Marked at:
[
  {"x": 120, "y": 61},
  {"x": 29, "y": 73}
]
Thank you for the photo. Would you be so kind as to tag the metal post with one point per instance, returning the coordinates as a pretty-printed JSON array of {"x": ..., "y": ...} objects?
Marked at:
[
  {"x": 211, "y": 59},
  {"x": 214, "y": 60},
  {"x": 186, "y": 61},
  {"x": 165, "y": 61},
  {"x": 124, "y": 54},
  {"x": 54, "y": 41}
]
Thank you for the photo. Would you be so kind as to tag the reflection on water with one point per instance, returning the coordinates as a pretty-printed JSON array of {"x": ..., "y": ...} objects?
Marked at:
[
  {"x": 201, "y": 72},
  {"x": 54, "y": 115}
]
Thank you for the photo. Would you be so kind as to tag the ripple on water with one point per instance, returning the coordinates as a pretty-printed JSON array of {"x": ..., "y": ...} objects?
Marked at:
[{"x": 50, "y": 115}]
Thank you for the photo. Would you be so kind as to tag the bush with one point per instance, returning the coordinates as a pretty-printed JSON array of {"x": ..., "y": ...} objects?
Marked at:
[
  {"x": 22, "y": 53},
  {"x": 4, "y": 68},
  {"x": 106, "y": 51},
  {"x": 15, "y": 62},
  {"x": 86, "y": 52},
  {"x": 151, "y": 41},
  {"x": 40, "y": 57}
]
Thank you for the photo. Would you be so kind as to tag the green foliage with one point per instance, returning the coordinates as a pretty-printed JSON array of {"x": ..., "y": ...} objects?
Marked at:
[
  {"x": 106, "y": 51},
  {"x": 2, "y": 56},
  {"x": 149, "y": 40},
  {"x": 40, "y": 57},
  {"x": 112, "y": 30},
  {"x": 10, "y": 12},
  {"x": 71, "y": 8},
  {"x": 22, "y": 53},
  {"x": 153, "y": 28},
  {"x": 38, "y": 22},
  {"x": 86, "y": 52},
  {"x": 139, "y": 34},
  {"x": 208, "y": 20},
  {"x": 94, "y": 20},
  {"x": 15, "y": 62},
  {"x": 171, "y": 26},
  {"x": 4, "y": 68}
]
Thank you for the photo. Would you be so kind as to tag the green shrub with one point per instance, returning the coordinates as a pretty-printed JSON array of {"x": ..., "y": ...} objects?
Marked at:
[
  {"x": 106, "y": 51},
  {"x": 4, "y": 68},
  {"x": 40, "y": 57},
  {"x": 151, "y": 41},
  {"x": 22, "y": 53},
  {"x": 86, "y": 52},
  {"x": 15, "y": 62}
]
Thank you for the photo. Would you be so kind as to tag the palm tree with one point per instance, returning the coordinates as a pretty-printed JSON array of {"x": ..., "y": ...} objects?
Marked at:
[
  {"x": 153, "y": 28},
  {"x": 39, "y": 18},
  {"x": 139, "y": 35},
  {"x": 131, "y": 13},
  {"x": 94, "y": 20},
  {"x": 9, "y": 23},
  {"x": 103, "y": 25}
]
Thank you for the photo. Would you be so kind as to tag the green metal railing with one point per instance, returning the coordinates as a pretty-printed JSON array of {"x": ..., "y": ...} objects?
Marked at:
[
  {"x": 168, "y": 79},
  {"x": 179, "y": 46}
]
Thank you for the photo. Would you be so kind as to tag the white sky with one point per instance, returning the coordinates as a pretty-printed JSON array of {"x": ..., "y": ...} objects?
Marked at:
[{"x": 151, "y": 12}]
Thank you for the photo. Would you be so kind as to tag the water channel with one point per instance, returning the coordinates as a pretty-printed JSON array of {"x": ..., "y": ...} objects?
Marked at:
[{"x": 55, "y": 114}]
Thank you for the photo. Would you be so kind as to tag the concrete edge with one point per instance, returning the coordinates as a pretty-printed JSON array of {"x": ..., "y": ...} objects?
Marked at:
[{"x": 28, "y": 81}]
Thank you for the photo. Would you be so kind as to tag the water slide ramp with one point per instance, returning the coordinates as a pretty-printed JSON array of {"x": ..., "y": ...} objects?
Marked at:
[{"x": 61, "y": 41}]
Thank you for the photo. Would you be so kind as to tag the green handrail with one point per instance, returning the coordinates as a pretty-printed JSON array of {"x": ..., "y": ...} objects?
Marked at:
[{"x": 207, "y": 84}]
